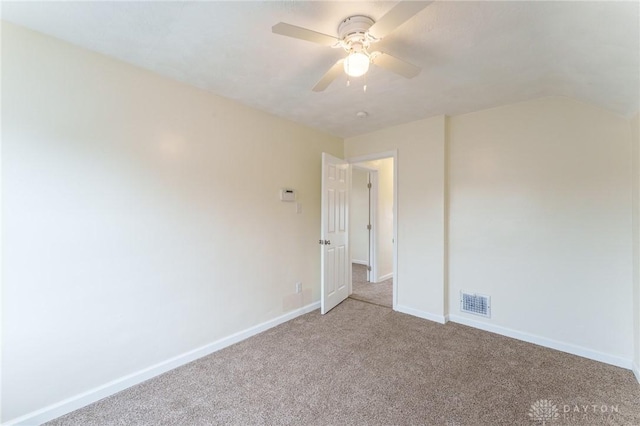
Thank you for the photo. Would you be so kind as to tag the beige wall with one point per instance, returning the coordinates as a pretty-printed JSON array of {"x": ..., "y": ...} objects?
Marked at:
[
  {"x": 635, "y": 145},
  {"x": 540, "y": 221},
  {"x": 141, "y": 219},
  {"x": 539, "y": 218},
  {"x": 421, "y": 150}
]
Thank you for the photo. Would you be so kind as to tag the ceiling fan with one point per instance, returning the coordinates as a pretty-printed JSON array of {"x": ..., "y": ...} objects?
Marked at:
[{"x": 356, "y": 34}]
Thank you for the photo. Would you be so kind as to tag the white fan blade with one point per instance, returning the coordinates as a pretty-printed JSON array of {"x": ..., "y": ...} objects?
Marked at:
[
  {"x": 330, "y": 75},
  {"x": 393, "y": 64},
  {"x": 397, "y": 16},
  {"x": 303, "y": 34}
]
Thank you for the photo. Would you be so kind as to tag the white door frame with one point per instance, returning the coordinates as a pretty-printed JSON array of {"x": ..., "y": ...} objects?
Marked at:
[
  {"x": 373, "y": 213},
  {"x": 379, "y": 156}
]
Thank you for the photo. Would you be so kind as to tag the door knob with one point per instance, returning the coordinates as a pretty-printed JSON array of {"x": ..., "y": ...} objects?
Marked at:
[{"x": 327, "y": 242}]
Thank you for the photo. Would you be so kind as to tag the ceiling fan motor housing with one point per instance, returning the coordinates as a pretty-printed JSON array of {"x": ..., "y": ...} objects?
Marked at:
[{"x": 354, "y": 30}]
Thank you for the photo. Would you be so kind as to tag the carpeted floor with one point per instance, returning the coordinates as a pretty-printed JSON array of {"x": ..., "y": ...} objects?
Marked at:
[
  {"x": 377, "y": 293},
  {"x": 366, "y": 364}
]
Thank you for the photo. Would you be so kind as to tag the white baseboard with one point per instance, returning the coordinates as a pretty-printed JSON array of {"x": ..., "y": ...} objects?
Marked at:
[
  {"x": 420, "y": 314},
  {"x": 70, "y": 404},
  {"x": 360, "y": 262},
  {"x": 385, "y": 277},
  {"x": 543, "y": 341},
  {"x": 636, "y": 371}
]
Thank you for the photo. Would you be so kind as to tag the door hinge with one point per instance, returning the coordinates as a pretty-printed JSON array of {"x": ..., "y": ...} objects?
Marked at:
[
  {"x": 369, "y": 185},
  {"x": 369, "y": 268},
  {"x": 369, "y": 227}
]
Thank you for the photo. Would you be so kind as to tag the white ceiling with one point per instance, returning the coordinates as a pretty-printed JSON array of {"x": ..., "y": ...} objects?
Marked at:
[{"x": 474, "y": 55}]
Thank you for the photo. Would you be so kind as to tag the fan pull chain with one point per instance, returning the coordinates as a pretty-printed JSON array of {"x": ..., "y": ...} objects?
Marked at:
[
  {"x": 364, "y": 89},
  {"x": 348, "y": 79}
]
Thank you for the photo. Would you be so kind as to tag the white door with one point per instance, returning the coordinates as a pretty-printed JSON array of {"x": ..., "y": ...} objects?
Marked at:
[{"x": 334, "y": 240}]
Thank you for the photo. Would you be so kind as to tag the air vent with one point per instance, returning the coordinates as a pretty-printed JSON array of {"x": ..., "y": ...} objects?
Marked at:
[{"x": 476, "y": 304}]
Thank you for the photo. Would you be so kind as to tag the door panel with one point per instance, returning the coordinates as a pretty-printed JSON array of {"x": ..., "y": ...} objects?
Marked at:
[
  {"x": 331, "y": 211},
  {"x": 331, "y": 272},
  {"x": 342, "y": 211},
  {"x": 335, "y": 235}
]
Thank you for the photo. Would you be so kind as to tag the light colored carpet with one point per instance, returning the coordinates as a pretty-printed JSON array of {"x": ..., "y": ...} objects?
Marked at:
[
  {"x": 377, "y": 293},
  {"x": 366, "y": 364}
]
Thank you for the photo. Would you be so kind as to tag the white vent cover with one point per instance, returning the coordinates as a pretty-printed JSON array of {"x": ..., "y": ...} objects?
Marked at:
[{"x": 476, "y": 304}]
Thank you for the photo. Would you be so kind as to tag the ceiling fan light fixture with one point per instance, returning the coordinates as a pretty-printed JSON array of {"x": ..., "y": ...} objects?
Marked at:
[
  {"x": 356, "y": 35},
  {"x": 356, "y": 64}
]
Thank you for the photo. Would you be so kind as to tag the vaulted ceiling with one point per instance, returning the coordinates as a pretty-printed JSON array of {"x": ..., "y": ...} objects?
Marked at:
[{"x": 474, "y": 55}]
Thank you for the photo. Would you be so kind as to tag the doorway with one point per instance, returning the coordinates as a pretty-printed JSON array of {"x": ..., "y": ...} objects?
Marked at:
[
  {"x": 372, "y": 230},
  {"x": 363, "y": 211}
]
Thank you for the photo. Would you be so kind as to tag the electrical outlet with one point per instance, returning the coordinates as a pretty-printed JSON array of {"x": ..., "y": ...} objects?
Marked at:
[{"x": 298, "y": 287}]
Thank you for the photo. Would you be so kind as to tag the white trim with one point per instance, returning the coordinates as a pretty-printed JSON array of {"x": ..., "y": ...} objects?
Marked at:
[
  {"x": 441, "y": 319},
  {"x": 543, "y": 341},
  {"x": 636, "y": 371},
  {"x": 385, "y": 277},
  {"x": 374, "y": 156},
  {"x": 373, "y": 218},
  {"x": 359, "y": 262},
  {"x": 396, "y": 166},
  {"x": 75, "y": 402}
]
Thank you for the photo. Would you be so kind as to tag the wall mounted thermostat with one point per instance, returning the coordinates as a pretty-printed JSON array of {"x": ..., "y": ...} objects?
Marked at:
[{"x": 287, "y": 194}]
